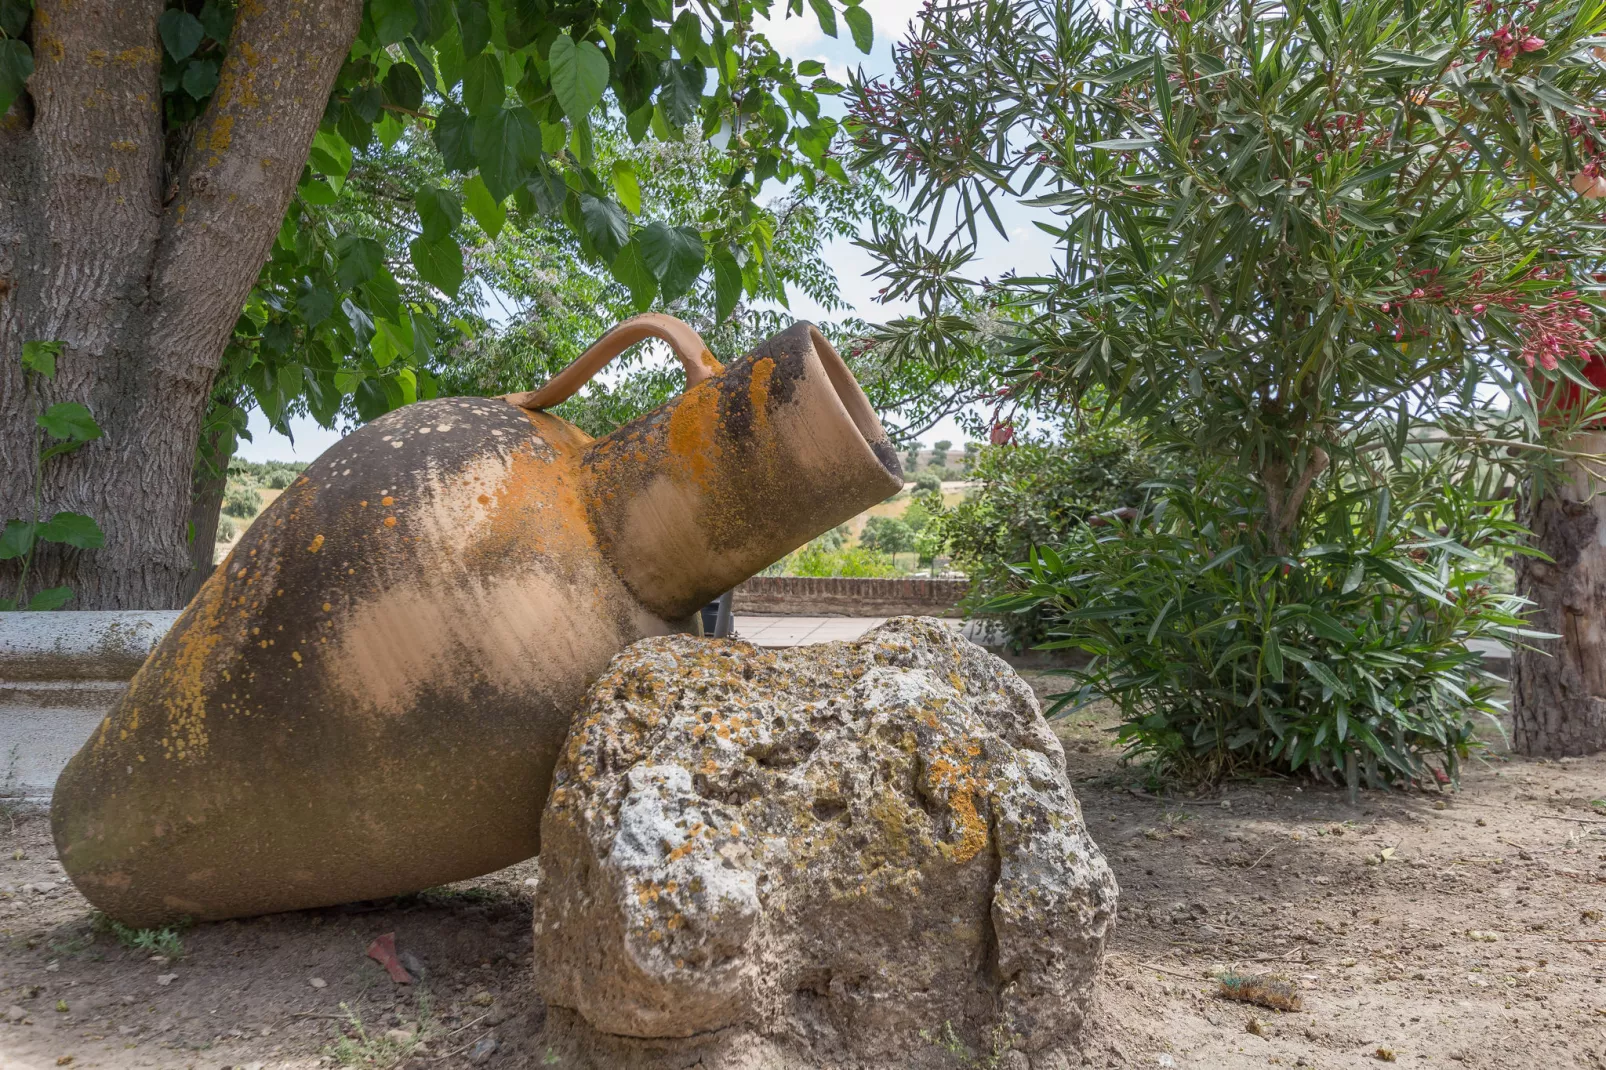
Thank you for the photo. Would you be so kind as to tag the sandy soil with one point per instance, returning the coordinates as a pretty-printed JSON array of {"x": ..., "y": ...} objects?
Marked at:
[{"x": 1431, "y": 930}]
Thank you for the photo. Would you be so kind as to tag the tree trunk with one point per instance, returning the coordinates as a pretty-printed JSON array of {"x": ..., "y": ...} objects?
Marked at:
[
  {"x": 208, "y": 484},
  {"x": 1285, "y": 494},
  {"x": 1558, "y": 691},
  {"x": 139, "y": 261}
]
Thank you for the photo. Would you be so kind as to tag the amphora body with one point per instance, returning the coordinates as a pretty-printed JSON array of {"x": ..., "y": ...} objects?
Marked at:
[{"x": 368, "y": 697}]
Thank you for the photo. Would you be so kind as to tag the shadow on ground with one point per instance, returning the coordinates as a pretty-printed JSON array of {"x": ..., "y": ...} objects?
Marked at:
[{"x": 1436, "y": 930}]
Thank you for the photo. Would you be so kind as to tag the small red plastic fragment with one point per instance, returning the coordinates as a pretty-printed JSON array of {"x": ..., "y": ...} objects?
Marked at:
[{"x": 383, "y": 951}]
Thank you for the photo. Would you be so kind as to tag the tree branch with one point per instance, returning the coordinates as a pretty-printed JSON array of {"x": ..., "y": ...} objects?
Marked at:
[{"x": 240, "y": 169}]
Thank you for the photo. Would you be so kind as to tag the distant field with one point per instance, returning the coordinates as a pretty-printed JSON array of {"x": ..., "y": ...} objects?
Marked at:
[
  {"x": 952, "y": 494},
  {"x": 223, "y": 548}
]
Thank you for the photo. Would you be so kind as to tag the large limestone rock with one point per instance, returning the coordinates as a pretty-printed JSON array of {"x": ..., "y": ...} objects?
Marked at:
[{"x": 858, "y": 854}]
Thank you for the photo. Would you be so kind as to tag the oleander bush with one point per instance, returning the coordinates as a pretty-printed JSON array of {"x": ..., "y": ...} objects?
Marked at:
[
  {"x": 1347, "y": 659},
  {"x": 1034, "y": 493}
]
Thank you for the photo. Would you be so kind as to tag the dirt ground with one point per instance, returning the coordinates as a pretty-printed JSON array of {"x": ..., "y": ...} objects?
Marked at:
[{"x": 1458, "y": 931}]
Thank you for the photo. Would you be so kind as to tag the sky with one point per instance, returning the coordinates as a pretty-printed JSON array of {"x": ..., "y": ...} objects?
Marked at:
[{"x": 1026, "y": 250}]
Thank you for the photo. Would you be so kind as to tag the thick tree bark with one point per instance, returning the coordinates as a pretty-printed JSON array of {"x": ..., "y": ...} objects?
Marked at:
[
  {"x": 140, "y": 264},
  {"x": 1558, "y": 691}
]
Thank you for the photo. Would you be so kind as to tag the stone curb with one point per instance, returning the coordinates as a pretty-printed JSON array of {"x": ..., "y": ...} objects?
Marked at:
[{"x": 60, "y": 673}]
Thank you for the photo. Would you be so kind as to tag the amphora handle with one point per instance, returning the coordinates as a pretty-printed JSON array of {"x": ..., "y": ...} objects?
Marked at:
[{"x": 688, "y": 345}]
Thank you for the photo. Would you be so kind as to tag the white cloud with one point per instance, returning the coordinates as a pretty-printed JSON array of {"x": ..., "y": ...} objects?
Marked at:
[{"x": 801, "y": 38}]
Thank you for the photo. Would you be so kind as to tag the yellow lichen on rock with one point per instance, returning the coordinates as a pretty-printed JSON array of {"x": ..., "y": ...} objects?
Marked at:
[{"x": 805, "y": 813}]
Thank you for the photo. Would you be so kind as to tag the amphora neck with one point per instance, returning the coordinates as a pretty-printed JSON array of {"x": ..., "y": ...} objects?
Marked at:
[{"x": 743, "y": 468}]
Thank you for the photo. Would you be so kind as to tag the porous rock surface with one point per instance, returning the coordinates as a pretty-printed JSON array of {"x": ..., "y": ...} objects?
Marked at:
[{"x": 854, "y": 854}]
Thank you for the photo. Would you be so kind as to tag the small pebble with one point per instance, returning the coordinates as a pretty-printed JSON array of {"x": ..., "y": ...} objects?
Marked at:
[
  {"x": 318, "y": 982},
  {"x": 482, "y": 1049},
  {"x": 166, "y": 979}
]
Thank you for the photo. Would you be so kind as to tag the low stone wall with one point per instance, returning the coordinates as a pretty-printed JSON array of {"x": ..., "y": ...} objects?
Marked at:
[
  {"x": 841, "y": 596},
  {"x": 59, "y": 674}
]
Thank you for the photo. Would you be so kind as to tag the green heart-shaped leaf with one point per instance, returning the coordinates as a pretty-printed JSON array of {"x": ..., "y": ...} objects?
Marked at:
[{"x": 579, "y": 75}]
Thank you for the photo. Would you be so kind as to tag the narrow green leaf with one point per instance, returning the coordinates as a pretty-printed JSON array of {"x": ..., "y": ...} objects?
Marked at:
[
  {"x": 1120, "y": 144},
  {"x": 1372, "y": 174},
  {"x": 1330, "y": 681}
]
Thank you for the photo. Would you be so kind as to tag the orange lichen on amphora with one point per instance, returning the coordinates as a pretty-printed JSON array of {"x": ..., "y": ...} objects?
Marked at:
[
  {"x": 537, "y": 507},
  {"x": 691, "y": 434},
  {"x": 758, "y": 391},
  {"x": 186, "y": 672}
]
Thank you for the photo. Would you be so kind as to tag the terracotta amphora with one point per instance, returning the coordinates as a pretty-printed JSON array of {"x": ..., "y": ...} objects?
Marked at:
[{"x": 369, "y": 695}]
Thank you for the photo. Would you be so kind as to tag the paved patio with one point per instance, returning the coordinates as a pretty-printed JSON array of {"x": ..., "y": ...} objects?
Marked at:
[{"x": 802, "y": 631}]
